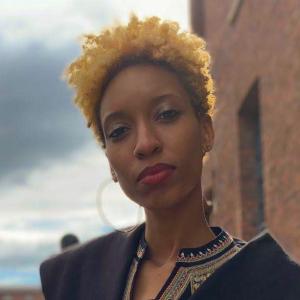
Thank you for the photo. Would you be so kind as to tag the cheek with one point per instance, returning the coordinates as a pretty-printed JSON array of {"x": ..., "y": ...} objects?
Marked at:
[
  {"x": 119, "y": 161},
  {"x": 190, "y": 152},
  {"x": 117, "y": 154},
  {"x": 189, "y": 142}
]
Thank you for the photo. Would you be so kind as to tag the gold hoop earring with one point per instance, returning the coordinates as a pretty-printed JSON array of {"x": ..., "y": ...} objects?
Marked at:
[{"x": 102, "y": 214}]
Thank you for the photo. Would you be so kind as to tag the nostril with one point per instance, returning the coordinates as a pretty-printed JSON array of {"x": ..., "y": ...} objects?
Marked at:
[
  {"x": 157, "y": 148},
  {"x": 139, "y": 155}
]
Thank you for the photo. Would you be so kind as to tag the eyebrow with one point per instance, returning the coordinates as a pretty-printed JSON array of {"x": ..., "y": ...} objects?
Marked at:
[
  {"x": 121, "y": 114},
  {"x": 160, "y": 98}
]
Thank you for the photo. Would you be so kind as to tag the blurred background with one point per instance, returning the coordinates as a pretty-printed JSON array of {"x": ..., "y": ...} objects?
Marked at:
[{"x": 54, "y": 178}]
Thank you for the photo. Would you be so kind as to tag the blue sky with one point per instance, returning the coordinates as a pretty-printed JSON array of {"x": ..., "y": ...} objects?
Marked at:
[{"x": 51, "y": 169}]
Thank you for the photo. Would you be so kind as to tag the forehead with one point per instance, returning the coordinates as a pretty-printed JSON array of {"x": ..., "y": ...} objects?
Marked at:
[{"x": 138, "y": 83}]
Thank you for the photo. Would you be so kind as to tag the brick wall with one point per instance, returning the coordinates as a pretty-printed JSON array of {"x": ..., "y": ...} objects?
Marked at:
[
  {"x": 20, "y": 293},
  {"x": 255, "y": 43}
]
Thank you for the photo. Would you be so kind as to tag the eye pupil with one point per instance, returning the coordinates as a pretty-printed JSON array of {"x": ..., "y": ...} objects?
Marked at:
[
  {"x": 168, "y": 114},
  {"x": 117, "y": 133}
]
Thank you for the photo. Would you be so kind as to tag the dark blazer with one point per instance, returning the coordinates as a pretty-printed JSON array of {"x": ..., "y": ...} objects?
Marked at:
[{"x": 98, "y": 270}]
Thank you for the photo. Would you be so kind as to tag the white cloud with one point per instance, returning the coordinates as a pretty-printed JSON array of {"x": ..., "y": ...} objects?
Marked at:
[
  {"x": 60, "y": 22},
  {"x": 59, "y": 199},
  {"x": 60, "y": 196},
  {"x": 63, "y": 192}
]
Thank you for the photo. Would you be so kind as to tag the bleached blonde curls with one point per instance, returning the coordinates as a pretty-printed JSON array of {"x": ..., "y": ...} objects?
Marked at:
[{"x": 157, "y": 40}]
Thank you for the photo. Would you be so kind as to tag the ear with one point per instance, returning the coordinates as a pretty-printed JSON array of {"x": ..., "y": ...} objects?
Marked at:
[
  {"x": 112, "y": 171},
  {"x": 207, "y": 131},
  {"x": 113, "y": 174}
]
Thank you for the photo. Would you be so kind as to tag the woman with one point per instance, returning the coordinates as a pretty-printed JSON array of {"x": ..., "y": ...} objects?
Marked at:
[{"x": 147, "y": 93}]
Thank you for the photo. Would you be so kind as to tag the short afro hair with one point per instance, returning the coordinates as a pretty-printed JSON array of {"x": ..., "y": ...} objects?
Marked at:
[{"x": 150, "y": 40}]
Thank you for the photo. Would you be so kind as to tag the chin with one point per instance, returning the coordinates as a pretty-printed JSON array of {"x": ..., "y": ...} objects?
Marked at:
[
  {"x": 162, "y": 202},
  {"x": 168, "y": 197}
]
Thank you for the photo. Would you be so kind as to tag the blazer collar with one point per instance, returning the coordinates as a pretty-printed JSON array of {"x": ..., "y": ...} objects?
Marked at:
[
  {"x": 248, "y": 272},
  {"x": 112, "y": 283}
]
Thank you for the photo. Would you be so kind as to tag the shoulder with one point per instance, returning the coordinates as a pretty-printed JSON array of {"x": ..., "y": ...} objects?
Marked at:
[
  {"x": 265, "y": 252},
  {"x": 62, "y": 274},
  {"x": 269, "y": 269},
  {"x": 260, "y": 270},
  {"x": 83, "y": 252},
  {"x": 263, "y": 260}
]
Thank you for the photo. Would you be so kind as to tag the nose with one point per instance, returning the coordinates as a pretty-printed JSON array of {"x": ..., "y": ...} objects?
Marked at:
[{"x": 147, "y": 142}]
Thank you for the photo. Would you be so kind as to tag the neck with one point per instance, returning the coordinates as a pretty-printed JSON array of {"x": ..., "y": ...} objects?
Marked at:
[{"x": 169, "y": 230}]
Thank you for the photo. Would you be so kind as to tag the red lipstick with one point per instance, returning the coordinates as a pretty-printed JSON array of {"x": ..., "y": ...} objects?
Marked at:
[{"x": 155, "y": 174}]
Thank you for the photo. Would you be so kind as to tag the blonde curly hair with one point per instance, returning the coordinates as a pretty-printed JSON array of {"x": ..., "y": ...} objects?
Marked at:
[{"x": 150, "y": 40}]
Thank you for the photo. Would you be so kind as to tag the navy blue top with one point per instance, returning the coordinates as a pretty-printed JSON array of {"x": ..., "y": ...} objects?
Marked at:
[
  {"x": 193, "y": 266},
  {"x": 99, "y": 270}
]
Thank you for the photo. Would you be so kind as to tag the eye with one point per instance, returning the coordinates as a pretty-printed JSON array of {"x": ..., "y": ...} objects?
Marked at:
[
  {"x": 168, "y": 115},
  {"x": 118, "y": 133}
]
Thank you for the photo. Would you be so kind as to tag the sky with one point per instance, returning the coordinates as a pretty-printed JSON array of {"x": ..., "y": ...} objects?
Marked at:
[{"x": 54, "y": 178}]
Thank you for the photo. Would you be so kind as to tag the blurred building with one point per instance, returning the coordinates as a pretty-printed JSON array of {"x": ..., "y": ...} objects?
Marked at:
[
  {"x": 20, "y": 293},
  {"x": 253, "y": 172}
]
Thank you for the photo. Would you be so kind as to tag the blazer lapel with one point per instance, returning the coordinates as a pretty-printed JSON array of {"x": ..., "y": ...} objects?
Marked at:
[{"x": 110, "y": 276}]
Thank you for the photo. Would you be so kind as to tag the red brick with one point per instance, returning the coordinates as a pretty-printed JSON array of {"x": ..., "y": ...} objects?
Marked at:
[{"x": 263, "y": 43}]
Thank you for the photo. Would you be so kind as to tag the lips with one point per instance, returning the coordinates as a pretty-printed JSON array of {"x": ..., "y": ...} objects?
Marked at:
[{"x": 155, "y": 174}]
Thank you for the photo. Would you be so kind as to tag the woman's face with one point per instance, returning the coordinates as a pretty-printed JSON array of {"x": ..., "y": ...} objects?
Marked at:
[{"x": 153, "y": 137}]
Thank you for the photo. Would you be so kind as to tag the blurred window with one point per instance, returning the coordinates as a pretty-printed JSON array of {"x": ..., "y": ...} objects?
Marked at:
[
  {"x": 251, "y": 164},
  {"x": 234, "y": 11}
]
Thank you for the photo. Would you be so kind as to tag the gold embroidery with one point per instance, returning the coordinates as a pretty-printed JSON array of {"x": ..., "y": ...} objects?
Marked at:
[
  {"x": 132, "y": 271},
  {"x": 194, "y": 276},
  {"x": 215, "y": 249},
  {"x": 193, "y": 268}
]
